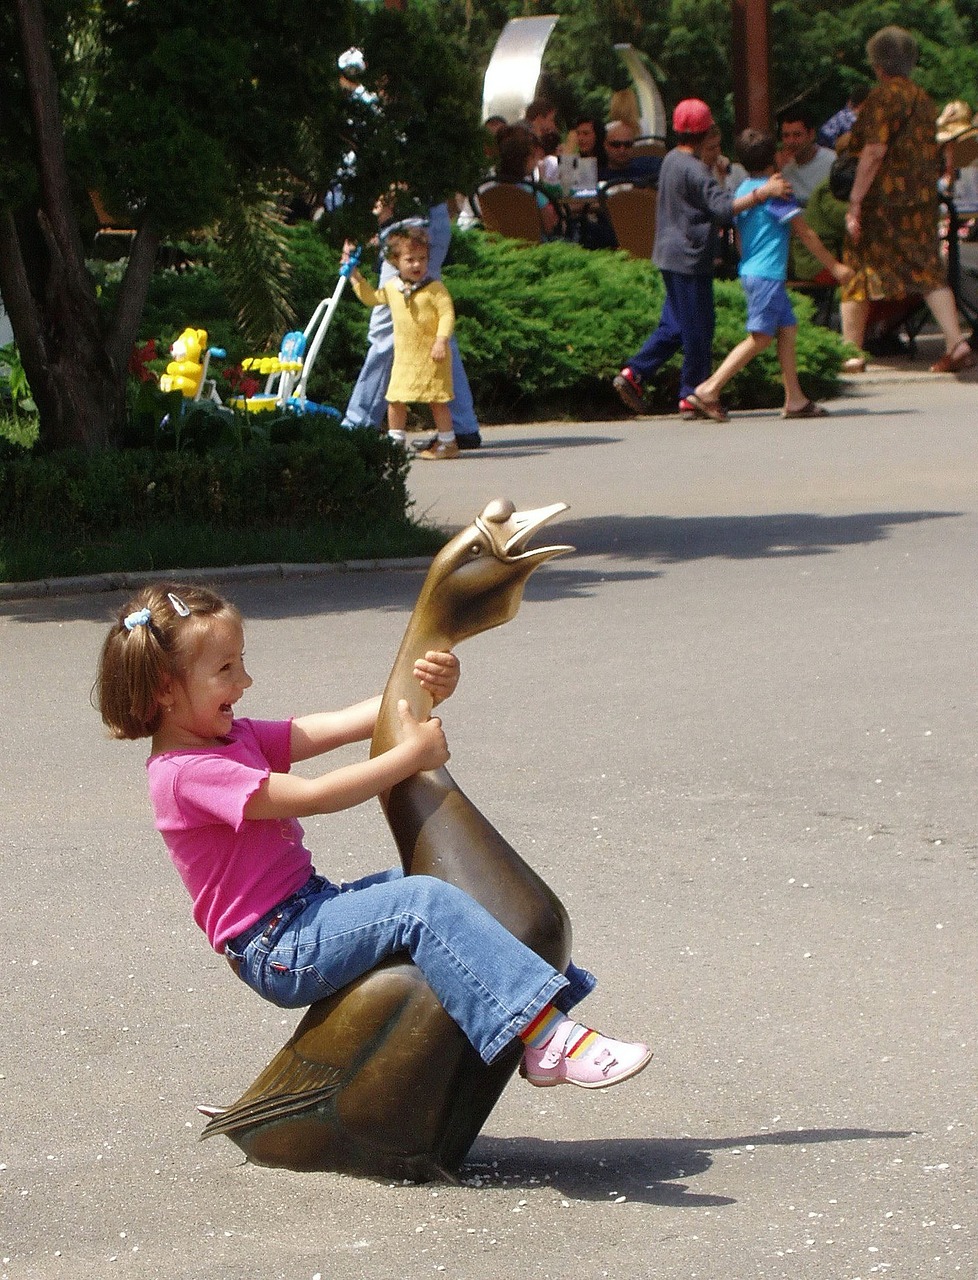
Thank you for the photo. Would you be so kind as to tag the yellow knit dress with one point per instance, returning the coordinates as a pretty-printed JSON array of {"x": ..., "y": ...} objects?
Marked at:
[{"x": 419, "y": 314}]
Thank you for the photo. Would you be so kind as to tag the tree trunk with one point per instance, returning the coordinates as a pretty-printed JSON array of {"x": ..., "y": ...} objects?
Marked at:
[
  {"x": 78, "y": 393},
  {"x": 75, "y": 363}
]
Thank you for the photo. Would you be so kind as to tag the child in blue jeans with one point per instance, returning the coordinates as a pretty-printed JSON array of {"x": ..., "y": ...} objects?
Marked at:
[
  {"x": 765, "y": 231},
  {"x": 228, "y": 807}
]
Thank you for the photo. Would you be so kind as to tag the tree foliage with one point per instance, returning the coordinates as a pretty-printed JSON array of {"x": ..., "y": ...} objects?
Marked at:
[
  {"x": 817, "y": 47},
  {"x": 185, "y": 116}
]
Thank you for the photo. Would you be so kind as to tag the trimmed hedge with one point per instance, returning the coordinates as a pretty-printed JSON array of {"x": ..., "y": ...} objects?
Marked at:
[
  {"x": 542, "y": 328},
  {"x": 311, "y": 471}
]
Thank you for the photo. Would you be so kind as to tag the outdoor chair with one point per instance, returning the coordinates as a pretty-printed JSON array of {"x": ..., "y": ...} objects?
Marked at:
[
  {"x": 631, "y": 212},
  {"x": 113, "y": 236},
  {"x": 510, "y": 210},
  {"x": 648, "y": 145}
]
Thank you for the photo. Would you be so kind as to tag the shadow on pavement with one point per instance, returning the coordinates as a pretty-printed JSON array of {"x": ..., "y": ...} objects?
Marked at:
[
  {"x": 674, "y": 539},
  {"x": 646, "y": 1171},
  {"x": 663, "y": 539}
]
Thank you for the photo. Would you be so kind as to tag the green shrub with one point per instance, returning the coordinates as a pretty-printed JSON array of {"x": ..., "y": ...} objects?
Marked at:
[
  {"x": 309, "y": 470},
  {"x": 18, "y": 412},
  {"x": 542, "y": 328}
]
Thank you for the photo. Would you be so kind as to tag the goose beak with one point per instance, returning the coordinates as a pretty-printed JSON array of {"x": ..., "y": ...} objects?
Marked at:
[{"x": 509, "y": 531}]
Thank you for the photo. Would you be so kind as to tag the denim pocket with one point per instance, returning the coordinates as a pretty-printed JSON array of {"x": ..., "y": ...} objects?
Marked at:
[{"x": 288, "y": 985}]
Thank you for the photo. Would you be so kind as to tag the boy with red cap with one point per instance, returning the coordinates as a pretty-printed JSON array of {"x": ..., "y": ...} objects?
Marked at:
[{"x": 691, "y": 206}]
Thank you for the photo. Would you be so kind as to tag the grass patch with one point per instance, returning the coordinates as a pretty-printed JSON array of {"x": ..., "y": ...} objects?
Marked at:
[{"x": 197, "y": 546}]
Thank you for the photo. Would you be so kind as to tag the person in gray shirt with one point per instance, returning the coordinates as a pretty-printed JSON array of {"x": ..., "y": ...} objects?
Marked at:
[{"x": 691, "y": 206}]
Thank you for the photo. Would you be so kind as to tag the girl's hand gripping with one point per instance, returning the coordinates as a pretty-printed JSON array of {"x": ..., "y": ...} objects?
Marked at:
[
  {"x": 426, "y": 737},
  {"x": 438, "y": 674}
]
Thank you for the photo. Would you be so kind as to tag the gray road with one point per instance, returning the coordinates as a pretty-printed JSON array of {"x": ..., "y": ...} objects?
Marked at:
[{"x": 737, "y": 733}]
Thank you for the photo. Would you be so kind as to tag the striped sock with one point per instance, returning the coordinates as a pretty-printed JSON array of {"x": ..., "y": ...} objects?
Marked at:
[
  {"x": 541, "y": 1030},
  {"x": 545, "y": 1026},
  {"x": 580, "y": 1046}
]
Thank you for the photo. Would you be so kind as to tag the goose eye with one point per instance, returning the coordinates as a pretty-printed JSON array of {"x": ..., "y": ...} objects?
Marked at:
[{"x": 475, "y": 549}]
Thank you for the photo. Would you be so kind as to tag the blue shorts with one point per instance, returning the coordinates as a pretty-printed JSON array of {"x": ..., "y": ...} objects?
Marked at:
[{"x": 768, "y": 305}]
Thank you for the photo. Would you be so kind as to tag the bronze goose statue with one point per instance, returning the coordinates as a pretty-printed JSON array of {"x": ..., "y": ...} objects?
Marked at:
[{"x": 378, "y": 1080}]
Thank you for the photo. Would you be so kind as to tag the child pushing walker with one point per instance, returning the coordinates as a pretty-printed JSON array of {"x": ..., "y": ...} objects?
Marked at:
[
  {"x": 227, "y": 806},
  {"x": 423, "y": 318}
]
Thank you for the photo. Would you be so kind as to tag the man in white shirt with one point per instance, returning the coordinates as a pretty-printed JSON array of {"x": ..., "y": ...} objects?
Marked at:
[{"x": 803, "y": 162}]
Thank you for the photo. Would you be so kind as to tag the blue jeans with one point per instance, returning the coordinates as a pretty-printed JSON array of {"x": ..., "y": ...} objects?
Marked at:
[
  {"x": 367, "y": 401},
  {"x": 326, "y": 935},
  {"x": 687, "y": 321}
]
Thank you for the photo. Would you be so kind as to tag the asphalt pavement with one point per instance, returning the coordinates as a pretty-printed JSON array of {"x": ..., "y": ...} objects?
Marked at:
[{"x": 736, "y": 732}]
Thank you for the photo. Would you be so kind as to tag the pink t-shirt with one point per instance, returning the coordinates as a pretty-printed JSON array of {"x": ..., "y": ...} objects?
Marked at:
[{"x": 235, "y": 869}]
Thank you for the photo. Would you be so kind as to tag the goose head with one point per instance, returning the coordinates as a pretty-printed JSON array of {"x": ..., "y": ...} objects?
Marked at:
[{"x": 476, "y": 581}]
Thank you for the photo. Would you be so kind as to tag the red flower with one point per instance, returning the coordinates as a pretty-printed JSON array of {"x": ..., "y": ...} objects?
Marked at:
[
  {"x": 140, "y": 358},
  {"x": 241, "y": 383}
]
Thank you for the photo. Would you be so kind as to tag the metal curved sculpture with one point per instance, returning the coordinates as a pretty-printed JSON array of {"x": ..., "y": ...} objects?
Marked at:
[
  {"x": 378, "y": 1080},
  {"x": 511, "y": 77}
]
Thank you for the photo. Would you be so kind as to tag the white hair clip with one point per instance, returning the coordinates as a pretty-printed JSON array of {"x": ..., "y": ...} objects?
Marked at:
[{"x": 178, "y": 605}]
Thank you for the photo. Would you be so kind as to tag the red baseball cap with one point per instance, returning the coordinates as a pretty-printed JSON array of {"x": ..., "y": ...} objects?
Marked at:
[{"x": 692, "y": 115}]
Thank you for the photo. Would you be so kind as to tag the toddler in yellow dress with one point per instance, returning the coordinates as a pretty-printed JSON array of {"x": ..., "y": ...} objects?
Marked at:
[{"x": 423, "y": 319}]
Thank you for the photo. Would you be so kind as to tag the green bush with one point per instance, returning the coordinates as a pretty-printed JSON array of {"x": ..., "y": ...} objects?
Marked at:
[
  {"x": 542, "y": 328},
  {"x": 309, "y": 470}
]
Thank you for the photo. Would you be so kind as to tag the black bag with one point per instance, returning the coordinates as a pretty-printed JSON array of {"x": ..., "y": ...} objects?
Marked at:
[{"x": 842, "y": 175}]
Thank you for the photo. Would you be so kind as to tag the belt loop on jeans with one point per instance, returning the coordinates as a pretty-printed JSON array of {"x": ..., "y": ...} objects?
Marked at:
[{"x": 274, "y": 914}]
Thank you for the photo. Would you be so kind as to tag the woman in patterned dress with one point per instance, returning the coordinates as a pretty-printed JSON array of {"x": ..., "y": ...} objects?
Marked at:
[{"x": 891, "y": 226}]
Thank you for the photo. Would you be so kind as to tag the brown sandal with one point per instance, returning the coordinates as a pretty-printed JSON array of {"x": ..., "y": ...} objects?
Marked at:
[
  {"x": 712, "y": 409},
  {"x": 960, "y": 357},
  {"x": 808, "y": 410}
]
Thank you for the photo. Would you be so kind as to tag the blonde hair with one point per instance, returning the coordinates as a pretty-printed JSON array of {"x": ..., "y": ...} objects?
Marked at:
[
  {"x": 138, "y": 661},
  {"x": 623, "y": 105}
]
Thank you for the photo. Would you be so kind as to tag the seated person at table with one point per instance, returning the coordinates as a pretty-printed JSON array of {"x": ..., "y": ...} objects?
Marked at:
[
  {"x": 517, "y": 158},
  {"x": 841, "y": 123},
  {"x": 546, "y": 172},
  {"x": 541, "y": 120},
  {"x": 586, "y": 139},
  {"x": 622, "y": 166}
]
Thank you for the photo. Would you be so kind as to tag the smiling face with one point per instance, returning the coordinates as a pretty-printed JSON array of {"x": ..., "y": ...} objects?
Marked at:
[
  {"x": 797, "y": 141},
  {"x": 198, "y": 703}
]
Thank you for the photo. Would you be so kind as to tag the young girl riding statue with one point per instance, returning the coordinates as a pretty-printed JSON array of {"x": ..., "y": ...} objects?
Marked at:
[{"x": 228, "y": 807}]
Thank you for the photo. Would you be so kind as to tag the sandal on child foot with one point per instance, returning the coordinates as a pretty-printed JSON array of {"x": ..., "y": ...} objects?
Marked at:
[
  {"x": 578, "y": 1055},
  {"x": 712, "y": 409},
  {"x": 808, "y": 410}
]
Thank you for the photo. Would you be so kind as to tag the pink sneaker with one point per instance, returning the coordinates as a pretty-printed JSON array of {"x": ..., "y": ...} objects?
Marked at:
[{"x": 600, "y": 1062}]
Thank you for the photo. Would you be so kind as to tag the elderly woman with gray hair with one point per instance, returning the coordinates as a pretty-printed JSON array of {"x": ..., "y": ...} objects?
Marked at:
[{"x": 891, "y": 225}]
